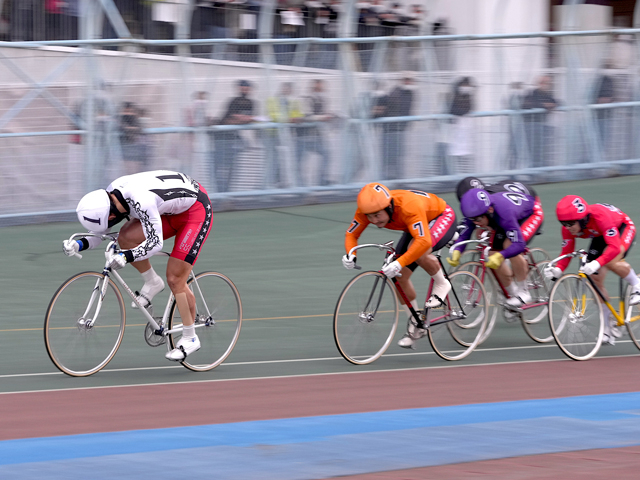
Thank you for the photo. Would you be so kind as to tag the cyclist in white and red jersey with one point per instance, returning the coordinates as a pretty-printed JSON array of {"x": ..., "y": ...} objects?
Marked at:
[
  {"x": 612, "y": 233},
  {"x": 158, "y": 205}
]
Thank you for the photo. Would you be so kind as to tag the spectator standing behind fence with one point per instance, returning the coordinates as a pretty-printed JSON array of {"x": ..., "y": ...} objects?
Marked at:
[
  {"x": 321, "y": 23},
  {"x": 130, "y": 141},
  {"x": 195, "y": 115},
  {"x": 104, "y": 129},
  {"x": 515, "y": 125},
  {"x": 145, "y": 139},
  {"x": 228, "y": 144},
  {"x": 603, "y": 92},
  {"x": 461, "y": 127},
  {"x": 291, "y": 26},
  {"x": 282, "y": 108},
  {"x": 368, "y": 26},
  {"x": 539, "y": 132},
  {"x": 218, "y": 26},
  {"x": 397, "y": 103},
  {"x": 312, "y": 139}
]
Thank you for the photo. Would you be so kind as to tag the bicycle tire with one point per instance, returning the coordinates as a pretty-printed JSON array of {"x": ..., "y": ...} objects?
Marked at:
[
  {"x": 365, "y": 319},
  {"x": 534, "y": 319},
  {"x": 576, "y": 317},
  {"x": 218, "y": 320},
  {"x": 632, "y": 318},
  {"x": 75, "y": 348},
  {"x": 539, "y": 255},
  {"x": 494, "y": 294},
  {"x": 453, "y": 337}
]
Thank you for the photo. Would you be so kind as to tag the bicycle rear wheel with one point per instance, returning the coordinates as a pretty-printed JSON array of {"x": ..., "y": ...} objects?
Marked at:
[
  {"x": 218, "y": 320},
  {"x": 77, "y": 345},
  {"x": 632, "y": 319},
  {"x": 491, "y": 289},
  {"x": 455, "y": 328},
  {"x": 575, "y": 316},
  {"x": 534, "y": 318},
  {"x": 366, "y": 318}
]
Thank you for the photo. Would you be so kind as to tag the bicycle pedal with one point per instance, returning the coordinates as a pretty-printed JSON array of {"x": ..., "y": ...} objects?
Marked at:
[{"x": 152, "y": 338}]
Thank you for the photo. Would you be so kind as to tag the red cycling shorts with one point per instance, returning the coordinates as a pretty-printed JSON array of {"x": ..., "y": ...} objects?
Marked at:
[{"x": 191, "y": 228}]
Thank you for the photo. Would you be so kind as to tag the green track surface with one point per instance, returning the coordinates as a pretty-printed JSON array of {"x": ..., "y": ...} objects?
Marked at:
[{"x": 286, "y": 265}]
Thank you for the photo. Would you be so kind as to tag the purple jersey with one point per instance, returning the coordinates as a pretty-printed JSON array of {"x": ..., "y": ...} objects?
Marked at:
[{"x": 510, "y": 209}]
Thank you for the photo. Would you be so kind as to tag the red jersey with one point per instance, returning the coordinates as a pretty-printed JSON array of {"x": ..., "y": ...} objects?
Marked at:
[
  {"x": 412, "y": 212},
  {"x": 604, "y": 221}
]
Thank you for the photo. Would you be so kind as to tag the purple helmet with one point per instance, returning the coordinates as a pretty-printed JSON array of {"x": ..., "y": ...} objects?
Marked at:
[
  {"x": 475, "y": 202},
  {"x": 467, "y": 184}
]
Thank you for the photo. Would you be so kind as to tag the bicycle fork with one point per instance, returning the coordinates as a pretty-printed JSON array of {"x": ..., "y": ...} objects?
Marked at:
[{"x": 97, "y": 295}]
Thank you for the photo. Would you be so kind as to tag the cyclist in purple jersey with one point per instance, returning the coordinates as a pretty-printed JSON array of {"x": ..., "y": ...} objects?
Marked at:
[{"x": 514, "y": 216}]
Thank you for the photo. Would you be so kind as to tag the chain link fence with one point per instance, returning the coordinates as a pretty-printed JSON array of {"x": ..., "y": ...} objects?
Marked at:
[{"x": 260, "y": 131}]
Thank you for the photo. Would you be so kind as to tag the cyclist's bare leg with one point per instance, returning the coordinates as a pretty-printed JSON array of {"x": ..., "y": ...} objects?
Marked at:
[
  {"x": 406, "y": 285},
  {"x": 617, "y": 266},
  {"x": 426, "y": 261},
  {"x": 177, "y": 275}
]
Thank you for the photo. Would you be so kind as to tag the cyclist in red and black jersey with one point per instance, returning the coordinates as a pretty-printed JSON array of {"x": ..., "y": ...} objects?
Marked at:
[{"x": 612, "y": 233}]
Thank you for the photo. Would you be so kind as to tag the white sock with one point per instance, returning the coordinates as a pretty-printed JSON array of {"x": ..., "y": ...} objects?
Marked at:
[
  {"x": 632, "y": 278},
  {"x": 414, "y": 304},
  {"x": 188, "y": 332},
  {"x": 522, "y": 285},
  {"x": 512, "y": 288},
  {"x": 150, "y": 276},
  {"x": 438, "y": 278},
  {"x": 153, "y": 284}
]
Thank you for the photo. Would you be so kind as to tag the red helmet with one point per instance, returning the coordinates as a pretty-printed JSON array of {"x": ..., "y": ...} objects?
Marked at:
[
  {"x": 373, "y": 197},
  {"x": 572, "y": 208}
]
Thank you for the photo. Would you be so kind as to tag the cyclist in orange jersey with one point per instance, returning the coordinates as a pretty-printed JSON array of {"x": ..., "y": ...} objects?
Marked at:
[{"x": 427, "y": 223}]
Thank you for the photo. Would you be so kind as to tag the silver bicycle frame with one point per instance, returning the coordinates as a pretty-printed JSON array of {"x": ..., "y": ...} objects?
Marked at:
[{"x": 100, "y": 291}]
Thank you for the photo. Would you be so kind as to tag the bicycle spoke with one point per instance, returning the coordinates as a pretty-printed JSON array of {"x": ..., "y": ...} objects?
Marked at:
[
  {"x": 575, "y": 317},
  {"x": 365, "y": 318},
  {"x": 83, "y": 330}
]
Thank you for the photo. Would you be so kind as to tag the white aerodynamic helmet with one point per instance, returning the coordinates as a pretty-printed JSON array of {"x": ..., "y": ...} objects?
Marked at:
[{"x": 93, "y": 211}]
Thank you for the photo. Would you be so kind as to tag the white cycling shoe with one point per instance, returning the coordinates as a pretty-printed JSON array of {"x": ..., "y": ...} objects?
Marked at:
[
  {"x": 634, "y": 298},
  {"x": 521, "y": 298},
  {"x": 149, "y": 290},
  {"x": 438, "y": 295},
  {"x": 611, "y": 332},
  {"x": 413, "y": 333},
  {"x": 184, "y": 348}
]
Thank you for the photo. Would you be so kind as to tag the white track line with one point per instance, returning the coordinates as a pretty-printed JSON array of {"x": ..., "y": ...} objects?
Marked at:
[{"x": 450, "y": 365}]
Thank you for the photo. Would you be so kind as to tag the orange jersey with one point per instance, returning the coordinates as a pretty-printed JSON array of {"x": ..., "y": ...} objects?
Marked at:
[{"x": 412, "y": 212}]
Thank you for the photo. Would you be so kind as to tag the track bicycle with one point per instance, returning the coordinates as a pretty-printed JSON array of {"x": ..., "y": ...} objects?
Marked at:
[
  {"x": 532, "y": 315},
  {"x": 365, "y": 319},
  {"x": 474, "y": 254},
  {"x": 85, "y": 321},
  {"x": 576, "y": 316}
]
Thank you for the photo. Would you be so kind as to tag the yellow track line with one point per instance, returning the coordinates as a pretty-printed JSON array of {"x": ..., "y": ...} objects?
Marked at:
[{"x": 144, "y": 324}]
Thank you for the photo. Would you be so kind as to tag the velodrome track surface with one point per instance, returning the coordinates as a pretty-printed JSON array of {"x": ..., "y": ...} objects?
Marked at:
[{"x": 285, "y": 404}]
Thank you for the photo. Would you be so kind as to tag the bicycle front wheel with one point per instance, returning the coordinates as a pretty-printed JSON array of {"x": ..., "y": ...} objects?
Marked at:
[
  {"x": 632, "y": 318},
  {"x": 575, "y": 316},
  {"x": 494, "y": 294},
  {"x": 218, "y": 320},
  {"x": 539, "y": 255},
  {"x": 534, "y": 315},
  {"x": 366, "y": 318},
  {"x": 82, "y": 329},
  {"x": 455, "y": 328}
]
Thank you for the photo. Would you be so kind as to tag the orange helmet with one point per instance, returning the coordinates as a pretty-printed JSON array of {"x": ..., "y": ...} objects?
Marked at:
[{"x": 373, "y": 197}]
